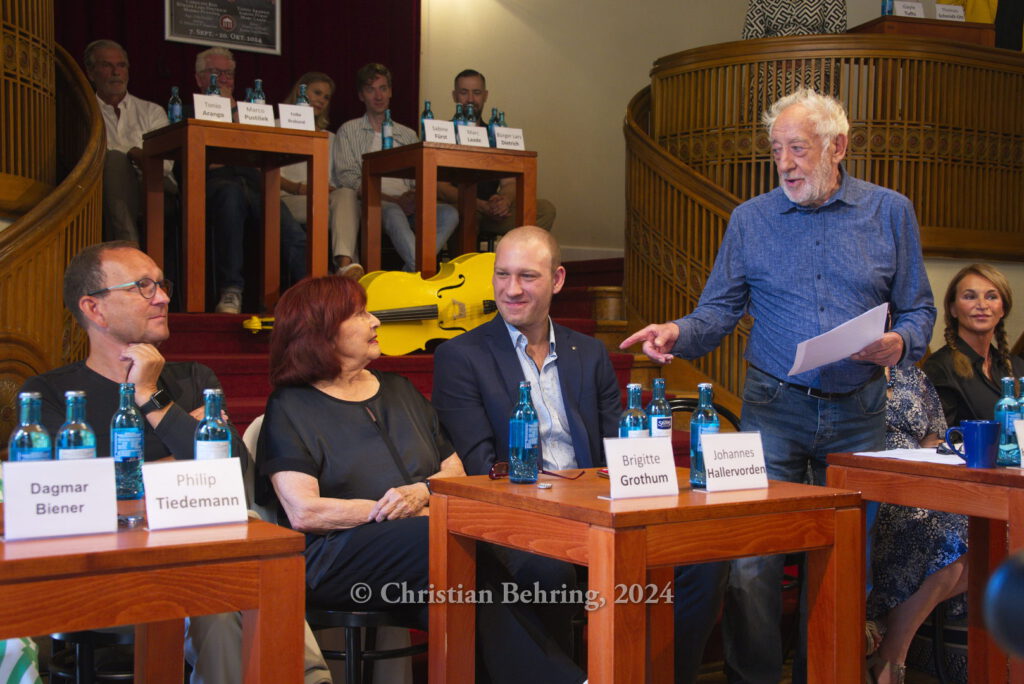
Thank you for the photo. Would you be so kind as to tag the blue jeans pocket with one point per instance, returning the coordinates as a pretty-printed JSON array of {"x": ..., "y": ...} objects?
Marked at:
[
  {"x": 871, "y": 398},
  {"x": 760, "y": 388}
]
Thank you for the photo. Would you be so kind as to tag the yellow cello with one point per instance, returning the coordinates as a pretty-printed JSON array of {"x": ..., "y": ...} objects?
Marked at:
[{"x": 414, "y": 310}]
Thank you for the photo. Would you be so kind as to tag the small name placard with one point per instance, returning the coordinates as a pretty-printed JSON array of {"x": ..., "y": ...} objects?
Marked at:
[
  {"x": 57, "y": 498},
  {"x": 299, "y": 117},
  {"x": 1018, "y": 426},
  {"x": 474, "y": 136},
  {"x": 902, "y": 8},
  {"x": 438, "y": 131},
  {"x": 641, "y": 466},
  {"x": 949, "y": 12},
  {"x": 187, "y": 493},
  {"x": 255, "y": 114},
  {"x": 509, "y": 138},
  {"x": 734, "y": 460},
  {"x": 212, "y": 108}
]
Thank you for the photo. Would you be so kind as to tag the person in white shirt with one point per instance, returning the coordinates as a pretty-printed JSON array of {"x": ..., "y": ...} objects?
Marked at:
[{"x": 127, "y": 119}]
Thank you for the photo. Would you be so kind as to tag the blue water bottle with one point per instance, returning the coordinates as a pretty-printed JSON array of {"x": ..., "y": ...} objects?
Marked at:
[
  {"x": 459, "y": 120},
  {"x": 427, "y": 114},
  {"x": 659, "y": 412},
  {"x": 126, "y": 445},
  {"x": 213, "y": 437},
  {"x": 523, "y": 439},
  {"x": 704, "y": 421},
  {"x": 76, "y": 439},
  {"x": 634, "y": 421},
  {"x": 258, "y": 96},
  {"x": 1006, "y": 411},
  {"x": 490, "y": 127},
  {"x": 302, "y": 98},
  {"x": 30, "y": 441},
  {"x": 213, "y": 88},
  {"x": 387, "y": 132},
  {"x": 174, "y": 106}
]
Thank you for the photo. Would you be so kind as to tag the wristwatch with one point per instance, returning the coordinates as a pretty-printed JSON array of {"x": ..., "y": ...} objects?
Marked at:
[
  {"x": 158, "y": 400},
  {"x": 429, "y": 489}
]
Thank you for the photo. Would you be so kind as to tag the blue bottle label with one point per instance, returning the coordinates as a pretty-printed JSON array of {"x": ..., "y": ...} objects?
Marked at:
[
  {"x": 71, "y": 454},
  {"x": 174, "y": 113},
  {"x": 531, "y": 436},
  {"x": 209, "y": 450},
  {"x": 125, "y": 443},
  {"x": 31, "y": 454},
  {"x": 661, "y": 426}
]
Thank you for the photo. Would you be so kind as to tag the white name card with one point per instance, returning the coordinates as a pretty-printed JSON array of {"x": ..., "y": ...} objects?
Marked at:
[
  {"x": 734, "y": 460},
  {"x": 438, "y": 131},
  {"x": 56, "y": 498},
  {"x": 1018, "y": 426},
  {"x": 212, "y": 108},
  {"x": 474, "y": 136},
  {"x": 902, "y": 8},
  {"x": 255, "y": 114},
  {"x": 187, "y": 493},
  {"x": 949, "y": 12},
  {"x": 509, "y": 138},
  {"x": 641, "y": 466},
  {"x": 299, "y": 117}
]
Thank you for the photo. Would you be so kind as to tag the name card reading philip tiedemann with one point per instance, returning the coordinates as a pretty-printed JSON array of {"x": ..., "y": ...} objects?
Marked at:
[
  {"x": 641, "y": 466},
  {"x": 57, "y": 498},
  {"x": 212, "y": 108},
  {"x": 187, "y": 493},
  {"x": 734, "y": 460}
]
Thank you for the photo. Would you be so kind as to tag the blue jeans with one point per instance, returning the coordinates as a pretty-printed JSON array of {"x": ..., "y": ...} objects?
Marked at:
[
  {"x": 797, "y": 432},
  {"x": 234, "y": 200},
  {"x": 399, "y": 228}
]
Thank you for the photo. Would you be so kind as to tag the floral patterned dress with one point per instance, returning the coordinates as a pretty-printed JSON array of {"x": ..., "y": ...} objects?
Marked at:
[{"x": 911, "y": 543}]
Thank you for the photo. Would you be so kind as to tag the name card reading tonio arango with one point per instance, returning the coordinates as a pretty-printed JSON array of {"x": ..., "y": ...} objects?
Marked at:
[
  {"x": 186, "y": 493},
  {"x": 56, "y": 498},
  {"x": 734, "y": 460},
  {"x": 641, "y": 466},
  {"x": 212, "y": 108}
]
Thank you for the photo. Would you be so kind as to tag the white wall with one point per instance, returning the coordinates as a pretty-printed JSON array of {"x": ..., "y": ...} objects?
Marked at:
[{"x": 564, "y": 71}]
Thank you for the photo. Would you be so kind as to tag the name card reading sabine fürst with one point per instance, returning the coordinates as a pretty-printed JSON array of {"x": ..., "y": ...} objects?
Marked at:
[
  {"x": 57, "y": 498},
  {"x": 509, "y": 138},
  {"x": 186, "y": 493},
  {"x": 734, "y": 460},
  {"x": 299, "y": 117},
  {"x": 474, "y": 136},
  {"x": 438, "y": 131},
  {"x": 642, "y": 466},
  {"x": 212, "y": 108},
  {"x": 255, "y": 114}
]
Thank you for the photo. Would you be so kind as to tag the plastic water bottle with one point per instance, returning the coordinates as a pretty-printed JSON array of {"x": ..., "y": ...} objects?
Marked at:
[
  {"x": 501, "y": 119},
  {"x": 659, "y": 413},
  {"x": 387, "y": 131},
  {"x": 213, "y": 88},
  {"x": 459, "y": 120},
  {"x": 523, "y": 439},
  {"x": 213, "y": 437},
  {"x": 491, "y": 138},
  {"x": 301, "y": 98},
  {"x": 1006, "y": 411},
  {"x": 174, "y": 106},
  {"x": 75, "y": 439},
  {"x": 126, "y": 445},
  {"x": 258, "y": 96},
  {"x": 887, "y": 7},
  {"x": 634, "y": 421},
  {"x": 30, "y": 441},
  {"x": 470, "y": 114},
  {"x": 427, "y": 114},
  {"x": 704, "y": 421}
]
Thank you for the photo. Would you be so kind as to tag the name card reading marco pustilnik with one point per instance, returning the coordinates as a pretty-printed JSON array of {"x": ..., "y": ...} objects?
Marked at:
[
  {"x": 256, "y": 114},
  {"x": 734, "y": 460},
  {"x": 439, "y": 131},
  {"x": 509, "y": 138},
  {"x": 187, "y": 493},
  {"x": 299, "y": 117},
  {"x": 212, "y": 108},
  {"x": 56, "y": 498},
  {"x": 642, "y": 466}
]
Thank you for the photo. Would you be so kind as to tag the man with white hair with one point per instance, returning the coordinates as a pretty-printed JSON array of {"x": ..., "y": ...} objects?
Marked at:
[{"x": 813, "y": 253}]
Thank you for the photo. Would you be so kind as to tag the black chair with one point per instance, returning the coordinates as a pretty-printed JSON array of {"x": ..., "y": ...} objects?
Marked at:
[
  {"x": 90, "y": 656},
  {"x": 360, "y": 657},
  {"x": 689, "y": 404}
]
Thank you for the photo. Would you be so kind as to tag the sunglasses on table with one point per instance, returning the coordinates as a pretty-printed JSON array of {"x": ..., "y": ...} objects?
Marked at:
[{"x": 500, "y": 470}]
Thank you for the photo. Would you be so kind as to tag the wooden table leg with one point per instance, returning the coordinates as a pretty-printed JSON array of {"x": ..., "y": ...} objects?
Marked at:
[
  {"x": 526, "y": 195},
  {"x": 661, "y": 643},
  {"x": 271, "y": 237},
  {"x": 985, "y": 551},
  {"x": 466, "y": 238},
  {"x": 193, "y": 202},
  {"x": 272, "y": 634},
  {"x": 426, "y": 217},
  {"x": 159, "y": 652},
  {"x": 452, "y": 631},
  {"x": 618, "y": 629},
  {"x": 372, "y": 226},
  {"x": 317, "y": 211},
  {"x": 1015, "y": 542},
  {"x": 153, "y": 177}
]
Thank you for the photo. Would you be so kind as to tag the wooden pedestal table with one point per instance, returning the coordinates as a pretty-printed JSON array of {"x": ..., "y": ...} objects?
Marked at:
[
  {"x": 633, "y": 543},
  {"x": 153, "y": 580},
  {"x": 994, "y": 501},
  {"x": 196, "y": 144},
  {"x": 428, "y": 163}
]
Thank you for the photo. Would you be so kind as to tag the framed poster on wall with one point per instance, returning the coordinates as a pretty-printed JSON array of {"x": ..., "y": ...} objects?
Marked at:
[{"x": 251, "y": 25}]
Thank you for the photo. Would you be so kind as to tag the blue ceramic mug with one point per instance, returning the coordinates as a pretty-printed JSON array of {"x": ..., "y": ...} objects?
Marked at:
[{"x": 981, "y": 442}]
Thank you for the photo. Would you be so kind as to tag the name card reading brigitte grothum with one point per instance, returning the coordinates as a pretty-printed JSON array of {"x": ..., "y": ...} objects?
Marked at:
[
  {"x": 642, "y": 466},
  {"x": 57, "y": 498},
  {"x": 187, "y": 493}
]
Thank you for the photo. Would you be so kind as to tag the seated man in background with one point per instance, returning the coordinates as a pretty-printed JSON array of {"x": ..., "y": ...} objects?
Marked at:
[
  {"x": 127, "y": 119},
  {"x": 495, "y": 200},
  {"x": 398, "y": 197},
  {"x": 234, "y": 199},
  {"x": 119, "y": 296}
]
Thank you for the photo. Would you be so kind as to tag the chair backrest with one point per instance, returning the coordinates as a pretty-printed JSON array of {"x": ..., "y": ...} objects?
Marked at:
[
  {"x": 689, "y": 404},
  {"x": 251, "y": 438}
]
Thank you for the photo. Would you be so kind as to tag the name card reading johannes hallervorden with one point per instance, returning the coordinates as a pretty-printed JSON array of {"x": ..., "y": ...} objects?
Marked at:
[
  {"x": 734, "y": 460},
  {"x": 57, "y": 498},
  {"x": 187, "y": 493},
  {"x": 641, "y": 466},
  {"x": 212, "y": 108}
]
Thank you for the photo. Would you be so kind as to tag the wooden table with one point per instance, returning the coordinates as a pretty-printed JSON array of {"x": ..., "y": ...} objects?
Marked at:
[
  {"x": 428, "y": 163},
  {"x": 994, "y": 501},
  {"x": 153, "y": 580},
  {"x": 195, "y": 144},
  {"x": 636, "y": 542},
  {"x": 964, "y": 31}
]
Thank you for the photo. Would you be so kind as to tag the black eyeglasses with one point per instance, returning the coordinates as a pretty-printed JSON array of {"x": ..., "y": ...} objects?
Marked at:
[
  {"x": 500, "y": 470},
  {"x": 229, "y": 73},
  {"x": 147, "y": 287}
]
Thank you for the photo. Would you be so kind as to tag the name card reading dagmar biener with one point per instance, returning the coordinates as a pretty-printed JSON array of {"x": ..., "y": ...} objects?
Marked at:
[
  {"x": 642, "y": 466},
  {"x": 187, "y": 493},
  {"x": 58, "y": 498}
]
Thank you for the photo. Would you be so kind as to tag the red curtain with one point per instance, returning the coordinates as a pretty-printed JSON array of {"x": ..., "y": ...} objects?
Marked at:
[{"x": 333, "y": 36}]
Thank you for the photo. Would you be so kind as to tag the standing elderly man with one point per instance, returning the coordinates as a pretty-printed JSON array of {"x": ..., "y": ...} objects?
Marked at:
[
  {"x": 127, "y": 119},
  {"x": 815, "y": 252}
]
